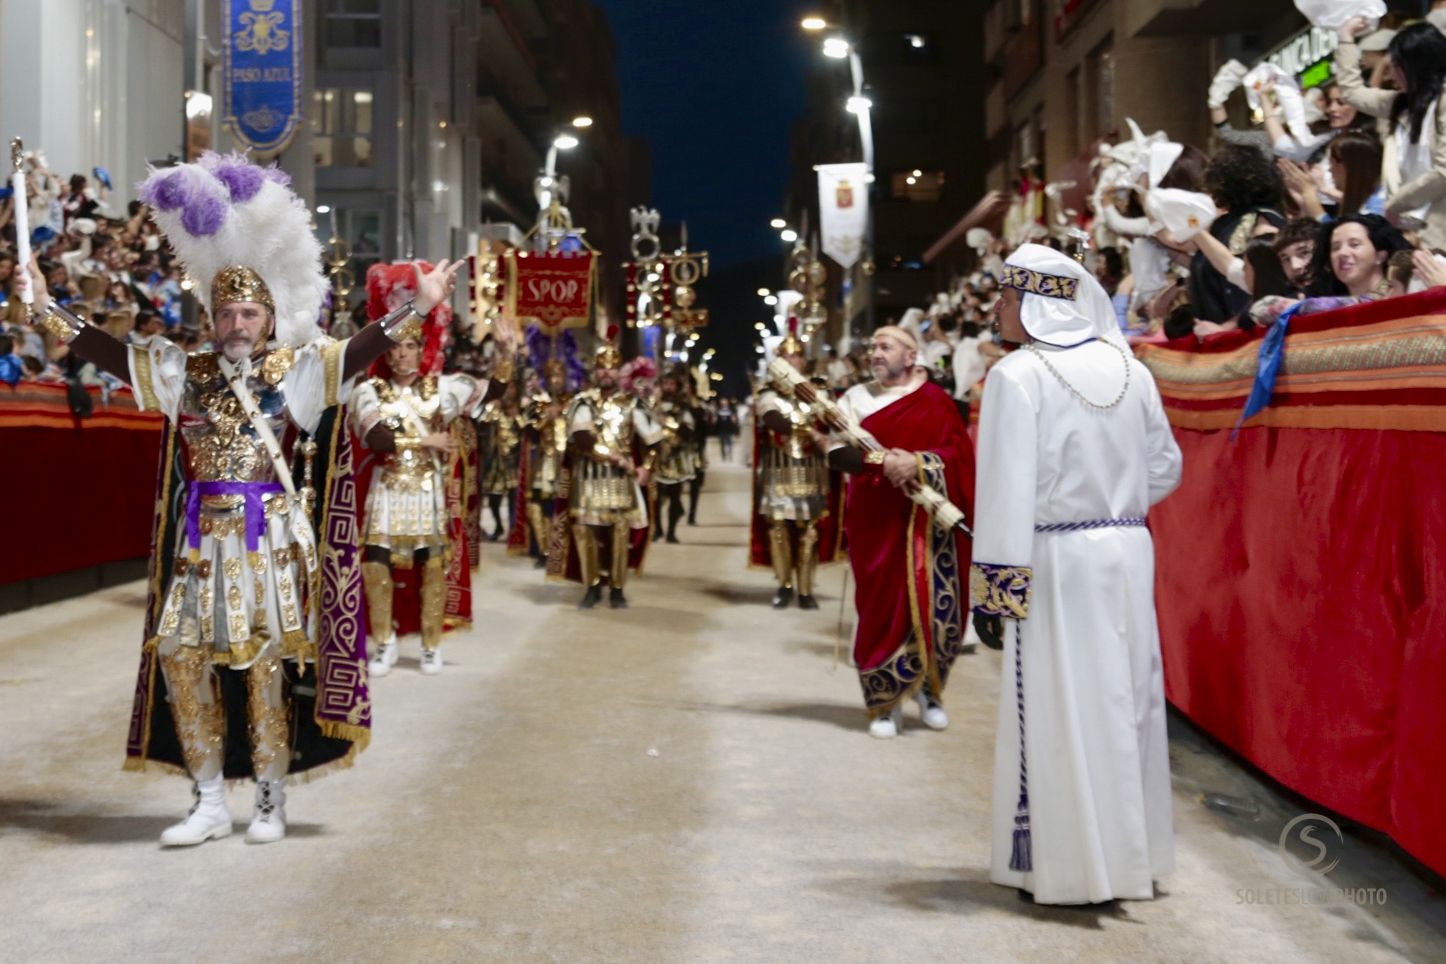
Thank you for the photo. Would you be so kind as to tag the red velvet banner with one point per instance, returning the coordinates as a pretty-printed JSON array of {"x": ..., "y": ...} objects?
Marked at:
[
  {"x": 552, "y": 289},
  {"x": 1301, "y": 570},
  {"x": 78, "y": 492}
]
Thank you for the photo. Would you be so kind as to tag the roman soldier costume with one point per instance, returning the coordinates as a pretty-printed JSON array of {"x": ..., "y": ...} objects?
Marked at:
[
  {"x": 609, "y": 437},
  {"x": 416, "y": 493},
  {"x": 253, "y": 614},
  {"x": 797, "y": 519}
]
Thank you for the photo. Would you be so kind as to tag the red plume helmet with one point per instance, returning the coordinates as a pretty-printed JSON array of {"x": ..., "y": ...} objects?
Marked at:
[
  {"x": 389, "y": 286},
  {"x": 791, "y": 344},
  {"x": 608, "y": 354}
]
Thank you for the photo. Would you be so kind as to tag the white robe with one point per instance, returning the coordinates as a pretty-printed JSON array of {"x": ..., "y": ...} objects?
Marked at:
[{"x": 1093, "y": 691}]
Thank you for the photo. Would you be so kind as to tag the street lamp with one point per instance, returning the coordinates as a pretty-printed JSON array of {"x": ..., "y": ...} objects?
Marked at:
[
  {"x": 813, "y": 23},
  {"x": 771, "y": 300},
  {"x": 788, "y": 235},
  {"x": 837, "y": 47},
  {"x": 859, "y": 104},
  {"x": 581, "y": 121},
  {"x": 778, "y": 224},
  {"x": 762, "y": 292}
]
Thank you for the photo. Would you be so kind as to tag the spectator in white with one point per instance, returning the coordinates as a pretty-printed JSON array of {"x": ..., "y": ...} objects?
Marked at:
[
  {"x": 1414, "y": 168},
  {"x": 970, "y": 365}
]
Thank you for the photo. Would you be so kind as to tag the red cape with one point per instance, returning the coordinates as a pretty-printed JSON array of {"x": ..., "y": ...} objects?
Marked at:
[{"x": 888, "y": 534}]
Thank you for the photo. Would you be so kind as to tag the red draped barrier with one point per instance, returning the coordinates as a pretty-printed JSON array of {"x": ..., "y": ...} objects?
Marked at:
[
  {"x": 1302, "y": 570},
  {"x": 77, "y": 492}
]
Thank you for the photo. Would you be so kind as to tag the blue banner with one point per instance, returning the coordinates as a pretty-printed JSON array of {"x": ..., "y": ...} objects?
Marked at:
[{"x": 262, "y": 67}]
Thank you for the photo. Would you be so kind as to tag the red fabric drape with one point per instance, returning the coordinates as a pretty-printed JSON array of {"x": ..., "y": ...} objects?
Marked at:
[
  {"x": 877, "y": 517},
  {"x": 80, "y": 492},
  {"x": 1305, "y": 625}
]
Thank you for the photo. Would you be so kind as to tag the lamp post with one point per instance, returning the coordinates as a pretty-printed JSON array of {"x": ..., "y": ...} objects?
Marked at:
[{"x": 861, "y": 106}]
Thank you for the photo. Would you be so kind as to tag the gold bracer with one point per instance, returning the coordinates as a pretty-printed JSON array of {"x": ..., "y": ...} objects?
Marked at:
[{"x": 61, "y": 322}]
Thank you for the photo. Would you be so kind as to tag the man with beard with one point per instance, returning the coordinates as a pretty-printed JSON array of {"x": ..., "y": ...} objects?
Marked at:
[
  {"x": 609, "y": 434},
  {"x": 906, "y": 569},
  {"x": 245, "y": 622}
]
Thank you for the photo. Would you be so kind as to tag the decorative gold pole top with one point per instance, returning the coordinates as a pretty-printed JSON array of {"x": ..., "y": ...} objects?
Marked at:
[{"x": 17, "y": 153}]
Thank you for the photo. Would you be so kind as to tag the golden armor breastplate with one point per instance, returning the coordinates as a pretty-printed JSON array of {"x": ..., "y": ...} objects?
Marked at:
[
  {"x": 410, "y": 413},
  {"x": 221, "y": 444},
  {"x": 795, "y": 468}
]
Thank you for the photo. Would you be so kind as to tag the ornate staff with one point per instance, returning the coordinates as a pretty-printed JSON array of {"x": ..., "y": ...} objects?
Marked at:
[
  {"x": 945, "y": 514},
  {"x": 22, "y": 223}
]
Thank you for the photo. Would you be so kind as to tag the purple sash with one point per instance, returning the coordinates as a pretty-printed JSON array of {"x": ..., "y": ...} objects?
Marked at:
[{"x": 255, "y": 509}]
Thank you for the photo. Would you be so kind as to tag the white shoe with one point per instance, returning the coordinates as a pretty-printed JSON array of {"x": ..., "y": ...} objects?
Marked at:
[
  {"x": 887, "y": 727},
  {"x": 432, "y": 661},
  {"x": 931, "y": 712},
  {"x": 971, "y": 638},
  {"x": 208, "y": 819},
  {"x": 268, "y": 821},
  {"x": 385, "y": 658}
]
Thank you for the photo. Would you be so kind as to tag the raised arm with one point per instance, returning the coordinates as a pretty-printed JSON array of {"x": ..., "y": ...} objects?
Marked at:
[
  {"x": 367, "y": 345},
  {"x": 93, "y": 344}
]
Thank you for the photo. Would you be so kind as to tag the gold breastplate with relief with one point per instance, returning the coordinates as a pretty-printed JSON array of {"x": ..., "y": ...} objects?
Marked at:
[
  {"x": 221, "y": 444},
  {"x": 798, "y": 443},
  {"x": 411, "y": 413},
  {"x": 612, "y": 418}
]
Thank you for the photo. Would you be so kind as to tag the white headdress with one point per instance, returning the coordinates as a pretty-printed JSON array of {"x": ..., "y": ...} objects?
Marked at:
[
  {"x": 1062, "y": 303},
  {"x": 226, "y": 212}
]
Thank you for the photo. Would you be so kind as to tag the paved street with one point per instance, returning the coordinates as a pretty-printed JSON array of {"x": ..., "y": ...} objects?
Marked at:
[{"x": 689, "y": 780}]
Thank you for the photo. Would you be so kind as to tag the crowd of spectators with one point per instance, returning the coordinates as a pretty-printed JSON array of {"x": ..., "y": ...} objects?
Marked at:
[
  {"x": 1336, "y": 196},
  {"x": 106, "y": 264}
]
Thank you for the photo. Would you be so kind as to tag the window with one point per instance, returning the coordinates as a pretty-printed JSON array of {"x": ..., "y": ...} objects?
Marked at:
[
  {"x": 352, "y": 23},
  {"x": 1073, "y": 136},
  {"x": 341, "y": 124},
  {"x": 917, "y": 185},
  {"x": 1102, "y": 77}
]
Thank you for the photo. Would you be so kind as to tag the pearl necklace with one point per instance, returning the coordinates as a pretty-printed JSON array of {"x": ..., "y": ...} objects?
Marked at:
[{"x": 1074, "y": 391}]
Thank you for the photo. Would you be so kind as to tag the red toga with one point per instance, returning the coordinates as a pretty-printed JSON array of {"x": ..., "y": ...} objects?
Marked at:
[{"x": 909, "y": 591}]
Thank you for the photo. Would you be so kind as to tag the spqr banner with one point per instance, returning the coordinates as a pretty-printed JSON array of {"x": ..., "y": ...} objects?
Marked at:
[
  {"x": 262, "y": 71},
  {"x": 554, "y": 289},
  {"x": 843, "y": 206}
]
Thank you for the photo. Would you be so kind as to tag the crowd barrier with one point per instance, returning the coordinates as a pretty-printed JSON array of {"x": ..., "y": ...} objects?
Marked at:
[
  {"x": 77, "y": 492},
  {"x": 1301, "y": 565}
]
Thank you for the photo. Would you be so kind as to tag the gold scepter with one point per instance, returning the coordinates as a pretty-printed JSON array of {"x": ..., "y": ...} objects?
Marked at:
[{"x": 945, "y": 514}]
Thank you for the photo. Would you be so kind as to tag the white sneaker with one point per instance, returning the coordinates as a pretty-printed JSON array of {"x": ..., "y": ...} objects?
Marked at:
[
  {"x": 971, "y": 638},
  {"x": 887, "y": 727},
  {"x": 385, "y": 658},
  {"x": 931, "y": 712},
  {"x": 268, "y": 820},
  {"x": 432, "y": 661},
  {"x": 208, "y": 819}
]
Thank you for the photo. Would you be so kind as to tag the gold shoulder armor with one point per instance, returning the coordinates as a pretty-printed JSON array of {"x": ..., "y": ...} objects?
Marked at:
[{"x": 277, "y": 363}]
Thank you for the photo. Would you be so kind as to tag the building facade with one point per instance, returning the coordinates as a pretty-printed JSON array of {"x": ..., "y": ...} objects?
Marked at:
[{"x": 424, "y": 122}]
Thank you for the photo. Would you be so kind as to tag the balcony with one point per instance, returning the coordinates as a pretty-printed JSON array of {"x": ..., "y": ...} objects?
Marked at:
[{"x": 1160, "y": 18}]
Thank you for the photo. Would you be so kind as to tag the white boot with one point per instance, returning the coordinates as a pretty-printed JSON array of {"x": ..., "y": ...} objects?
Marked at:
[
  {"x": 385, "y": 658},
  {"x": 931, "y": 711},
  {"x": 208, "y": 818},
  {"x": 432, "y": 661},
  {"x": 888, "y": 726},
  {"x": 268, "y": 821}
]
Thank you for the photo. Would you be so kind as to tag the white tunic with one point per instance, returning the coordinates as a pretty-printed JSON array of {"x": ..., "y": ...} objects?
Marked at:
[{"x": 1093, "y": 692}]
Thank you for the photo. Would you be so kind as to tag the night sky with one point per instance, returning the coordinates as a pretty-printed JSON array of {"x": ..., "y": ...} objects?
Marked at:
[{"x": 714, "y": 88}]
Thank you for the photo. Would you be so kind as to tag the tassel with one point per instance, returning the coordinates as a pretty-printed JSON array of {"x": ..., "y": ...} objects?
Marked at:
[{"x": 1022, "y": 859}]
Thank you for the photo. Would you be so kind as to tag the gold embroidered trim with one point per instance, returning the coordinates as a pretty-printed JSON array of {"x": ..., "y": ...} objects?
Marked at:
[
  {"x": 331, "y": 360},
  {"x": 141, "y": 362},
  {"x": 1000, "y": 590}
]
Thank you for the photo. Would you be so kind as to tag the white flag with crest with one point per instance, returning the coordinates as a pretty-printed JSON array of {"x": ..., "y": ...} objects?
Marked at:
[{"x": 843, "y": 205}]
